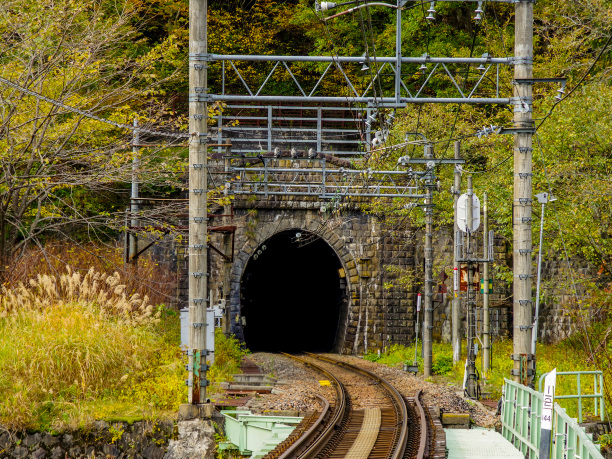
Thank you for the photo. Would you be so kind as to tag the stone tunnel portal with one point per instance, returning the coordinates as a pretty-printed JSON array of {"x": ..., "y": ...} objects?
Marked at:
[{"x": 293, "y": 294}]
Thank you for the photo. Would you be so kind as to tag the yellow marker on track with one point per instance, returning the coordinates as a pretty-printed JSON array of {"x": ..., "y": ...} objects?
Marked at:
[{"x": 324, "y": 382}]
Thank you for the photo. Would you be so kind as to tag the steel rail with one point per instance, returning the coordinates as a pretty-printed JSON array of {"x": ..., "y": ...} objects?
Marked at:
[
  {"x": 314, "y": 440},
  {"x": 311, "y": 433},
  {"x": 423, "y": 425},
  {"x": 400, "y": 403}
]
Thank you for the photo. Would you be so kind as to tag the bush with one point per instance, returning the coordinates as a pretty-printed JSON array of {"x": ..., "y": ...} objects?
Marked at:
[
  {"x": 442, "y": 365},
  {"x": 228, "y": 354}
]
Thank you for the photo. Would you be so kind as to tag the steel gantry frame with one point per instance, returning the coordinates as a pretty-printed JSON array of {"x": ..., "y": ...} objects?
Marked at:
[
  {"x": 317, "y": 180},
  {"x": 441, "y": 67},
  {"x": 402, "y": 94}
]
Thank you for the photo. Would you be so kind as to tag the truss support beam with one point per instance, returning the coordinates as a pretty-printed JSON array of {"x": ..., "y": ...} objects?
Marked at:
[{"x": 380, "y": 101}]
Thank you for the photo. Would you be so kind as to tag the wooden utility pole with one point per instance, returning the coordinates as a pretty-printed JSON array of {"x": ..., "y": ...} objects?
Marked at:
[
  {"x": 198, "y": 130},
  {"x": 456, "y": 314},
  {"x": 523, "y": 122},
  {"x": 428, "y": 316}
]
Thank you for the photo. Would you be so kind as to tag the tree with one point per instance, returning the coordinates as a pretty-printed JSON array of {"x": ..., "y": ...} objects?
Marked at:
[{"x": 62, "y": 169}]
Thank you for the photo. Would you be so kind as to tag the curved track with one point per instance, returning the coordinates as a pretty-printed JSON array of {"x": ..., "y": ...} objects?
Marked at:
[{"x": 397, "y": 430}]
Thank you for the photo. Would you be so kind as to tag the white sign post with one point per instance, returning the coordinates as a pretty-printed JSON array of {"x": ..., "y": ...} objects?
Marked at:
[{"x": 547, "y": 414}]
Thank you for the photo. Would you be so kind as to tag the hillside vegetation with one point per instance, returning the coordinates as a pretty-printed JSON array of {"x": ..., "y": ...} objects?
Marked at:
[{"x": 65, "y": 177}]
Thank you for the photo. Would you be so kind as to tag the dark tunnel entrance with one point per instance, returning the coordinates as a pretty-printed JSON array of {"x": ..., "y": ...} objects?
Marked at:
[{"x": 292, "y": 294}]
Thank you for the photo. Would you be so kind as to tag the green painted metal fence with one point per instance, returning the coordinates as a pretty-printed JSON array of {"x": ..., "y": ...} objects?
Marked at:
[
  {"x": 253, "y": 434},
  {"x": 521, "y": 415},
  {"x": 597, "y": 395}
]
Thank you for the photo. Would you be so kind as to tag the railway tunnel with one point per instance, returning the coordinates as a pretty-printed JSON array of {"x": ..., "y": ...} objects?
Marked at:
[{"x": 293, "y": 294}]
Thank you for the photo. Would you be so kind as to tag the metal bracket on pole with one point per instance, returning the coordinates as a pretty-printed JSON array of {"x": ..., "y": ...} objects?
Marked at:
[
  {"x": 200, "y": 57},
  {"x": 522, "y": 60},
  {"x": 519, "y": 357},
  {"x": 526, "y": 371}
]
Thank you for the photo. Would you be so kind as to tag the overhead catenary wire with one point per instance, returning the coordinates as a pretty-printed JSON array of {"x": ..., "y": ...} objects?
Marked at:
[
  {"x": 89, "y": 114},
  {"x": 577, "y": 85}
]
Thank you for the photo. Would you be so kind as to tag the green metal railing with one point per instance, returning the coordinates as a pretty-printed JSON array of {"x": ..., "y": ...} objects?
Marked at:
[
  {"x": 521, "y": 416},
  {"x": 597, "y": 391},
  {"x": 250, "y": 433}
]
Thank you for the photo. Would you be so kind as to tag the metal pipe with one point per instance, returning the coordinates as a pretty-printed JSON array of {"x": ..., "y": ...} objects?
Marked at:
[
  {"x": 398, "y": 51},
  {"x": 359, "y": 59},
  {"x": 315, "y": 171},
  {"x": 350, "y": 10},
  {"x": 330, "y": 194},
  {"x": 486, "y": 327},
  {"x": 471, "y": 326},
  {"x": 428, "y": 316},
  {"x": 534, "y": 333},
  {"x": 349, "y": 99},
  {"x": 456, "y": 313}
]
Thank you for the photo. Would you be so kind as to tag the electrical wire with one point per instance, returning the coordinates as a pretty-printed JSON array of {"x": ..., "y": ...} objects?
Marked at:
[
  {"x": 90, "y": 115},
  {"x": 577, "y": 85}
]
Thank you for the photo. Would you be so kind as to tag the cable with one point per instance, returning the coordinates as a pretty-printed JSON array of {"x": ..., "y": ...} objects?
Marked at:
[
  {"x": 90, "y": 115},
  {"x": 491, "y": 168},
  {"x": 577, "y": 84}
]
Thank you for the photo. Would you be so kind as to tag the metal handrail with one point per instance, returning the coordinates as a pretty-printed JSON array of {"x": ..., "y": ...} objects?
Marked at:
[
  {"x": 598, "y": 408},
  {"x": 521, "y": 427}
]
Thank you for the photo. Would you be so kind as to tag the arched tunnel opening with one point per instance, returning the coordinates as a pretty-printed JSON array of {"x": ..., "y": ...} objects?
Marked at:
[{"x": 292, "y": 294}]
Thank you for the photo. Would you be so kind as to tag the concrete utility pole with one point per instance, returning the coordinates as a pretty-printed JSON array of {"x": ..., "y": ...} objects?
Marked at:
[
  {"x": 471, "y": 300},
  {"x": 456, "y": 315},
  {"x": 228, "y": 248},
  {"x": 523, "y": 73},
  {"x": 428, "y": 316},
  {"x": 198, "y": 129},
  {"x": 486, "y": 328},
  {"x": 135, "y": 195}
]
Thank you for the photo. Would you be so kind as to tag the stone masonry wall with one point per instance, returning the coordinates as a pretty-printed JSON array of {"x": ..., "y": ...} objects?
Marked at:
[
  {"x": 373, "y": 317},
  {"x": 140, "y": 440}
]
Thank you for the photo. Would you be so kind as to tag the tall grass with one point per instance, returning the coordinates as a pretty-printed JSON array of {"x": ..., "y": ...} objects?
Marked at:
[
  {"x": 77, "y": 347},
  {"x": 69, "y": 340}
]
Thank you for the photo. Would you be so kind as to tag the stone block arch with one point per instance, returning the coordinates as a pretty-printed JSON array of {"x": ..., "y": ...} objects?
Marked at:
[{"x": 343, "y": 342}]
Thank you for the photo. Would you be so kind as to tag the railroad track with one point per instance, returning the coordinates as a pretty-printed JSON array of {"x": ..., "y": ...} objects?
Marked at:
[{"x": 392, "y": 427}]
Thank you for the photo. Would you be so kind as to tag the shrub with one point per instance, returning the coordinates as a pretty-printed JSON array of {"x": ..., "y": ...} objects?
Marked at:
[
  {"x": 228, "y": 354},
  {"x": 442, "y": 365}
]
